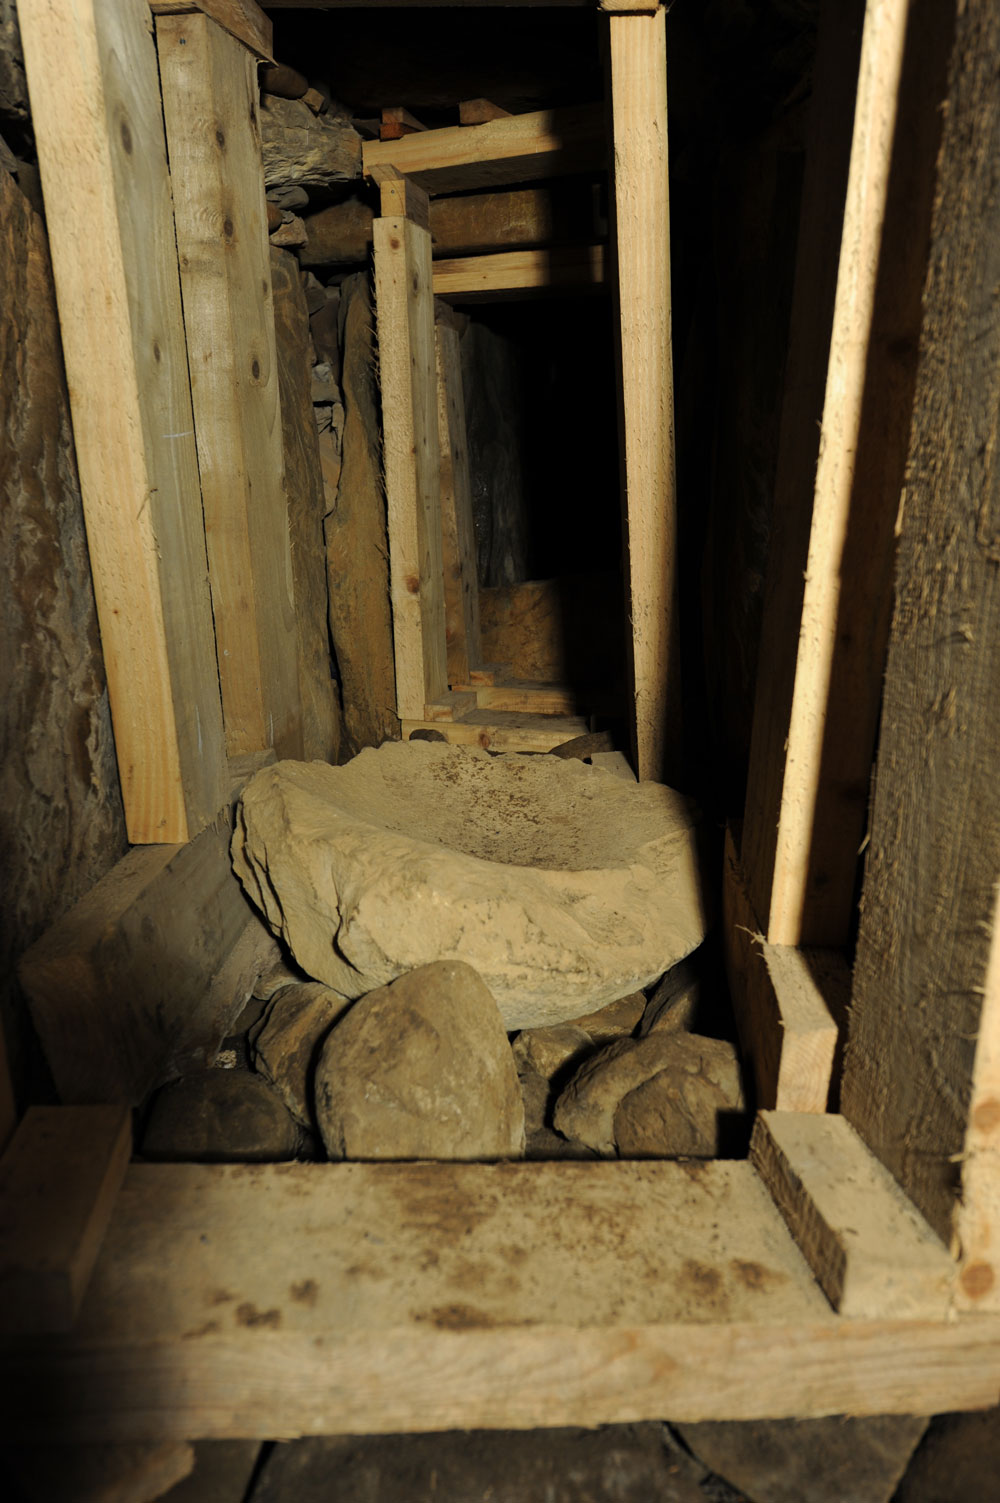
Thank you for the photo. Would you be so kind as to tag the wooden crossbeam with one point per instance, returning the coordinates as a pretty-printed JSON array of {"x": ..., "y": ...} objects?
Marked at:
[
  {"x": 519, "y": 273},
  {"x": 504, "y": 730},
  {"x": 241, "y": 18}
]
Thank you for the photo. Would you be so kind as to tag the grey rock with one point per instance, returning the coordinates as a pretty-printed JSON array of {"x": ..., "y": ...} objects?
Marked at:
[
  {"x": 549, "y": 1050},
  {"x": 287, "y": 1038},
  {"x": 304, "y": 150},
  {"x": 219, "y": 1116},
  {"x": 421, "y": 1069},
  {"x": 616, "y": 1021},
  {"x": 685, "y": 1111}
]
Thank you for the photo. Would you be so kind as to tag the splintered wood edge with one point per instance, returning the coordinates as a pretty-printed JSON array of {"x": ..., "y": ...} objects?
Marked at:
[{"x": 869, "y": 1248}]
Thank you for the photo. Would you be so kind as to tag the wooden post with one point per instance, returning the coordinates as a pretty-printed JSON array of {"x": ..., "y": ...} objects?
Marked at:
[
  {"x": 407, "y": 367},
  {"x": 920, "y": 1063},
  {"x": 461, "y": 577},
  {"x": 209, "y": 87},
  {"x": 95, "y": 95},
  {"x": 641, "y": 216}
]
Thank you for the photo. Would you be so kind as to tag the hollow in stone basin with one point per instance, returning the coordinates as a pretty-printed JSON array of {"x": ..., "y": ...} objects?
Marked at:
[{"x": 564, "y": 886}]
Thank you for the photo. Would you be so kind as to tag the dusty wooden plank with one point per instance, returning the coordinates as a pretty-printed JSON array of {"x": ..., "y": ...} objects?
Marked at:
[
  {"x": 504, "y": 730},
  {"x": 871, "y": 1251},
  {"x": 408, "y": 376},
  {"x": 242, "y": 19},
  {"x": 641, "y": 217},
  {"x": 467, "y": 224},
  {"x": 566, "y": 268},
  {"x": 518, "y": 149},
  {"x": 96, "y": 100},
  {"x": 209, "y": 86},
  {"x": 132, "y": 983},
  {"x": 787, "y": 1003},
  {"x": 924, "y": 945},
  {"x": 283, "y": 1300},
  {"x": 461, "y": 578},
  {"x": 59, "y": 1180}
]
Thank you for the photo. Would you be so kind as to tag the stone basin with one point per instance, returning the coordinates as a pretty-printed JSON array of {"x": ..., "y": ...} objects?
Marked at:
[{"x": 564, "y": 886}]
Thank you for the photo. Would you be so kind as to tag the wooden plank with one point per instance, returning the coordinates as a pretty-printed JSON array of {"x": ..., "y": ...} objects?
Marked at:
[
  {"x": 545, "y": 699},
  {"x": 59, "y": 1180},
  {"x": 787, "y": 1003},
  {"x": 242, "y": 19},
  {"x": 478, "y": 111},
  {"x": 281, "y": 1300},
  {"x": 112, "y": 239},
  {"x": 400, "y": 197},
  {"x": 461, "y": 577},
  {"x": 830, "y": 723},
  {"x": 923, "y": 964},
  {"x": 503, "y": 730},
  {"x": 565, "y": 268},
  {"x": 520, "y": 149},
  {"x": 467, "y": 224},
  {"x": 977, "y": 1219},
  {"x": 209, "y": 84},
  {"x": 131, "y": 984},
  {"x": 872, "y": 1252},
  {"x": 641, "y": 217},
  {"x": 408, "y": 375},
  {"x": 455, "y": 704}
]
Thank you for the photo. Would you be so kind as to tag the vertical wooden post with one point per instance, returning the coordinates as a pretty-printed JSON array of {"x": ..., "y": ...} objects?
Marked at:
[
  {"x": 209, "y": 83},
  {"x": 461, "y": 579},
  {"x": 641, "y": 213},
  {"x": 408, "y": 373},
  {"x": 92, "y": 74}
]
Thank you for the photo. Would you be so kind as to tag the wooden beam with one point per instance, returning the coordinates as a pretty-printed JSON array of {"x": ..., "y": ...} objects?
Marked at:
[
  {"x": 399, "y": 197},
  {"x": 461, "y": 576},
  {"x": 641, "y": 215},
  {"x": 113, "y": 254},
  {"x": 408, "y": 376},
  {"x": 478, "y": 111},
  {"x": 872, "y": 1253},
  {"x": 519, "y": 273},
  {"x": 242, "y": 19},
  {"x": 923, "y": 974},
  {"x": 467, "y": 224},
  {"x": 209, "y": 84},
  {"x": 788, "y": 1003},
  {"x": 134, "y": 982},
  {"x": 977, "y": 1218},
  {"x": 519, "y": 149},
  {"x": 281, "y": 1300},
  {"x": 59, "y": 1180},
  {"x": 504, "y": 730}
]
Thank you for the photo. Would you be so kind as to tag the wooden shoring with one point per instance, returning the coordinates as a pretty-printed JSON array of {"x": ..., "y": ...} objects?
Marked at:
[
  {"x": 461, "y": 577},
  {"x": 520, "y": 273},
  {"x": 92, "y": 74},
  {"x": 641, "y": 285},
  {"x": 242, "y": 19},
  {"x": 209, "y": 86}
]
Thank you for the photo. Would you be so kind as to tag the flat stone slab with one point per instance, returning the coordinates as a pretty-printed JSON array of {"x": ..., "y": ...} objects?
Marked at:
[{"x": 565, "y": 887}]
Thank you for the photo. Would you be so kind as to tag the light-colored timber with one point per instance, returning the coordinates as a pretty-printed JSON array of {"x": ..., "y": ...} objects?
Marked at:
[
  {"x": 408, "y": 377},
  {"x": 461, "y": 576},
  {"x": 454, "y": 704},
  {"x": 241, "y": 18},
  {"x": 520, "y": 273},
  {"x": 92, "y": 74},
  {"x": 641, "y": 217},
  {"x": 872, "y": 1252},
  {"x": 59, "y": 1181},
  {"x": 519, "y": 149},
  {"x": 209, "y": 85},
  {"x": 399, "y": 196},
  {"x": 478, "y": 111},
  {"x": 505, "y": 730},
  {"x": 789, "y": 1003},
  {"x": 280, "y": 1300}
]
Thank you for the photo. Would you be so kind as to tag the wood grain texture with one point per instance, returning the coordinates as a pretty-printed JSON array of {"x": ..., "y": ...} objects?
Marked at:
[
  {"x": 306, "y": 507},
  {"x": 925, "y": 941},
  {"x": 641, "y": 216},
  {"x": 59, "y": 1180},
  {"x": 518, "y": 149},
  {"x": 209, "y": 86},
  {"x": 787, "y": 1003},
  {"x": 293, "y": 1299},
  {"x": 520, "y": 273},
  {"x": 242, "y": 19},
  {"x": 130, "y": 986},
  {"x": 461, "y": 576},
  {"x": 872, "y": 1253},
  {"x": 92, "y": 73},
  {"x": 408, "y": 378}
]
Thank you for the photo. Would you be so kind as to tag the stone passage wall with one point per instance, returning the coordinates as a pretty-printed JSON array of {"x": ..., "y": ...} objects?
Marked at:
[{"x": 61, "y": 820}]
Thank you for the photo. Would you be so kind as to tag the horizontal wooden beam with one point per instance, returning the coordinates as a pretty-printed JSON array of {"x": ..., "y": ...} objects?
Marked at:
[
  {"x": 241, "y": 18},
  {"x": 518, "y": 149},
  {"x": 520, "y": 273},
  {"x": 419, "y": 4},
  {"x": 280, "y": 1300},
  {"x": 503, "y": 730}
]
